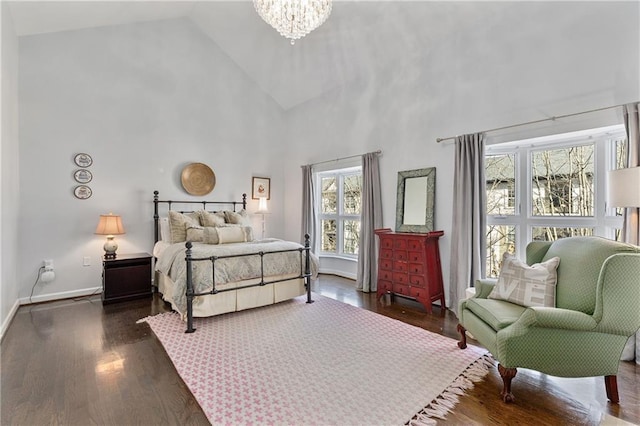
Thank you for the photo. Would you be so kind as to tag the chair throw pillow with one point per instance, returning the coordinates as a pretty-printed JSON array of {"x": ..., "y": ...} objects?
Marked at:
[{"x": 526, "y": 285}]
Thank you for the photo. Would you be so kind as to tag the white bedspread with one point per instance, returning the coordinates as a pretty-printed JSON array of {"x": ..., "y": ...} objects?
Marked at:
[{"x": 172, "y": 263}]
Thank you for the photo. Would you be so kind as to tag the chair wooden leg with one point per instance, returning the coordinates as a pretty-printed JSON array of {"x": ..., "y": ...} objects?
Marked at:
[
  {"x": 507, "y": 375},
  {"x": 611, "y": 385},
  {"x": 462, "y": 344}
]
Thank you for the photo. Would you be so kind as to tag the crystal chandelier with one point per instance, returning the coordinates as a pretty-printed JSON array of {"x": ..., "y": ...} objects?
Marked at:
[{"x": 293, "y": 19}]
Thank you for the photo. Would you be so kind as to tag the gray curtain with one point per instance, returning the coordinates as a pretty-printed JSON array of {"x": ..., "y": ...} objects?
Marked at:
[
  {"x": 308, "y": 206},
  {"x": 631, "y": 224},
  {"x": 631, "y": 220},
  {"x": 370, "y": 219},
  {"x": 468, "y": 250}
]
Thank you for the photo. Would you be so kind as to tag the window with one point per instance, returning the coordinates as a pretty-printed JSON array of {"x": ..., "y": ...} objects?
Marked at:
[
  {"x": 548, "y": 188},
  {"x": 339, "y": 211}
]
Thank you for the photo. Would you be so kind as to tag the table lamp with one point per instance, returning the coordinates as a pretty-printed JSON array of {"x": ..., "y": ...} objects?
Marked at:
[
  {"x": 623, "y": 187},
  {"x": 262, "y": 210},
  {"x": 110, "y": 225}
]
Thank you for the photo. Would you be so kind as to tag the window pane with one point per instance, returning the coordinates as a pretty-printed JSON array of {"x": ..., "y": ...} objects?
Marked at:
[
  {"x": 544, "y": 233},
  {"x": 621, "y": 163},
  {"x": 562, "y": 181},
  {"x": 329, "y": 236},
  {"x": 329, "y": 195},
  {"x": 500, "y": 239},
  {"x": 352, "y": 194},
  {"x": 351, "y": 233},
  {"x": 500, "y": 175}
]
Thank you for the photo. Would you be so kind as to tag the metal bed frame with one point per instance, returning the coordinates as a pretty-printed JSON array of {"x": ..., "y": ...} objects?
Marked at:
[{"x": 305, "y": 262}]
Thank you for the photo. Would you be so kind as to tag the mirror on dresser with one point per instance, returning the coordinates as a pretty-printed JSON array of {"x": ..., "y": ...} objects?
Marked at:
[{"x": 415, "y": 200}]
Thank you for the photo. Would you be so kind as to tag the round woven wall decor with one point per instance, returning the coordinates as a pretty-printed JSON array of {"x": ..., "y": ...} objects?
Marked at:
[{"x": 198, "y": 179}]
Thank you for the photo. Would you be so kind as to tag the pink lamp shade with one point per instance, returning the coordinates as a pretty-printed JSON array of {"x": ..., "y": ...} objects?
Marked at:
[{"x": 110, "y": 225}]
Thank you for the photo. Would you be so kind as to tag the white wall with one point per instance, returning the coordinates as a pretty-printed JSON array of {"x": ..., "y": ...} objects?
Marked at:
[
  {"x": 534, "y": 60},
  {"x": 146, "y": 99},
  {"x": 8, "y": 171},
  {"x": 143, "y": 100}
]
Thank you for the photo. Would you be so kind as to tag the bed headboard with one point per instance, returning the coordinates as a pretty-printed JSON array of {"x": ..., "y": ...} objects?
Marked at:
[{"x": 204, "y": 204}]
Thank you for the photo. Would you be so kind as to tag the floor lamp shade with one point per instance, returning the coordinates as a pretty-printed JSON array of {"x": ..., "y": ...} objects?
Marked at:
[
  {"x": 110, "y": 225},
  {"x": 623, "y": 187}
]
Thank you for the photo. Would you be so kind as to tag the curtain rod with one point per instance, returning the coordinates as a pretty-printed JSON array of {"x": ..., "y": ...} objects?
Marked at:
[
  {"x": 343, "y": 158},
  {"x": 555, "y": 117}
]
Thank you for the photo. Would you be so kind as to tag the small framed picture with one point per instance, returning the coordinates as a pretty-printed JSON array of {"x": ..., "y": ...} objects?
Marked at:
[
  {"x": 82, "y": 176},
  {"x": 82, "y": 192},
  {"x": 83, "y": 160},
  {"x": 261, "y": 188}
]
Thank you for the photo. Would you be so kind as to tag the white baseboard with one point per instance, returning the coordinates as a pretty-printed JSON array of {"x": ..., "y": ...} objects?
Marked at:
[
  {"x": 9, "y": 318},
  {"x": 61, "y": 295},
  {"x": 339, "y": 273}
]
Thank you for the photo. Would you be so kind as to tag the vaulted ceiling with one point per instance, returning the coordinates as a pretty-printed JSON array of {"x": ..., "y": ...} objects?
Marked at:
[{"x": 358, "y": 36}]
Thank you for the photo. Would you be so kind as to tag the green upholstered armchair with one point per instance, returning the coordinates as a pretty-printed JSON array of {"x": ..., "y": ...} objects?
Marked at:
[{"x": 597, "y": 310}]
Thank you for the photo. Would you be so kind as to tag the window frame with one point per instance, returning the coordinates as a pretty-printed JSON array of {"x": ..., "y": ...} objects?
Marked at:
[
  {"x": 604, "y": 221},
  {"x": 340, "y": 216}
]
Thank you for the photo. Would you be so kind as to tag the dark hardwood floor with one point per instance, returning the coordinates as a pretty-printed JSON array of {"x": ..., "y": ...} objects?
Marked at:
[{"x": 75, "y": 362}]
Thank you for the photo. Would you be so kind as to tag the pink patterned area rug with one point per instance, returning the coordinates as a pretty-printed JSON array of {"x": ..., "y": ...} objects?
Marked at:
[{"x": 326, "y": 363}]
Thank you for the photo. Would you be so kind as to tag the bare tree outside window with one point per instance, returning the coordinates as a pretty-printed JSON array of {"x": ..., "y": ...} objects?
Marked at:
[
  {"x": 329, "y": 242},
  {"x": 341, "y": 202},
  {"x": 500, "y": 175},
  {"x": 329, "y": 195},
  {"x": 544, "y": 189},
  {"x": 500, "y": 240},
  {"x": 562, "y": 181},
  {"x": 546, "y": 233}
]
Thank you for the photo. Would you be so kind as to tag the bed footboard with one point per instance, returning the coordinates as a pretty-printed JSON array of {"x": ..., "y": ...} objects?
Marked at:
[{"x": 305, "y": 273}]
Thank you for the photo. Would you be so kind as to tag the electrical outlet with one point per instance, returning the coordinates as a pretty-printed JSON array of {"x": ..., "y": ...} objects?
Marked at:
[
  {"x": 48, "y": 264},
  {"x": 86, "y": 261}
]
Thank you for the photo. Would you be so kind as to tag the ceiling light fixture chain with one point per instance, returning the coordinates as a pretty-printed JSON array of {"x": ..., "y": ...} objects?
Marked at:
[{"x": 293, "y": 19}]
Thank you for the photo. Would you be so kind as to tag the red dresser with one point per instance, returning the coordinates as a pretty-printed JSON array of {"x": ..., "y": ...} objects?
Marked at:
[{"x": 409, "y": 266}]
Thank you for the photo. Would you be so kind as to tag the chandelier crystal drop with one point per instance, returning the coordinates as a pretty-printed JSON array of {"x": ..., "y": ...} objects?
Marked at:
[{"x": 293, "y": 19}]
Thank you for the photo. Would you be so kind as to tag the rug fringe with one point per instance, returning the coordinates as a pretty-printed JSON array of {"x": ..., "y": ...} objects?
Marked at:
[
  {"x": 444, "y": 403},
  {"x": 145, "y": 319}
]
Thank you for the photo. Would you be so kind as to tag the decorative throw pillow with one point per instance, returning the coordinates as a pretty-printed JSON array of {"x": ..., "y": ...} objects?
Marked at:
[
  {"x": 200, "y": 234},
  {"x": 526, "y": 285},
  {"x": 178, "y": 224},
  {"x": 237, "y": 218},
  {"x": 248, "y": 230},
  {"x": 211, "y": 219},
  {"x": 231, "y": 234}
]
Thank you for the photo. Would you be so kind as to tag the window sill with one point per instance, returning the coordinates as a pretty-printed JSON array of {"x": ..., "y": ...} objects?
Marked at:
[{"x": 337, "y": 256}]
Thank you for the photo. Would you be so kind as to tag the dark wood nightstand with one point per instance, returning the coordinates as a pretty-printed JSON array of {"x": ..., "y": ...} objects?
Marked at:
[{"x": 126, "y": 277}]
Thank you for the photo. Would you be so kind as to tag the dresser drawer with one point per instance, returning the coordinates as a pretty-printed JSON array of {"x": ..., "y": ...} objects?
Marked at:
[
  {"x": 386, "y": 243},
  {"x": 416, "y": 256},
  {"x": 386, "y": 264},
  {"x": 386, "y": 254},
  {"x": 418, "y": 293},
  {"x": 401, "y": 289},
  {"x": 385, "y": 275},
  {"x": 400, "y": 255},
  {"x": 417, "y": 280},
  {"x": 414, "y": 244},
  {"x": 400, "y": 244},
  {"x": 400, "y": 266},
  {"x": 400, "y": 278},
  {"x": 416, "y": 268}
]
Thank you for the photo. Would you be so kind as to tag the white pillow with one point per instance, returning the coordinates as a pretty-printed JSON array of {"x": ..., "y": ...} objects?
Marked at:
[
  {"x": 165, "y": 233},
  {"x": 526, "y": 285},
  {"x": 231, "y": 234}
]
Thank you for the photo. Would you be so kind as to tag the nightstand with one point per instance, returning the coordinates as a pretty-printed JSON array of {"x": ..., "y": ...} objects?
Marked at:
[{"x": 126, "y": 277}]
